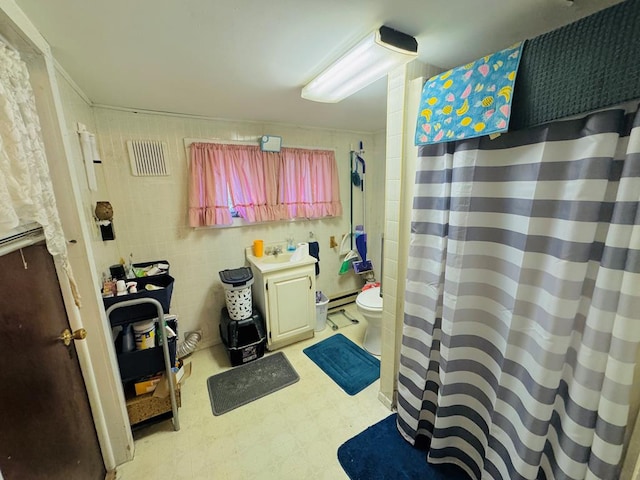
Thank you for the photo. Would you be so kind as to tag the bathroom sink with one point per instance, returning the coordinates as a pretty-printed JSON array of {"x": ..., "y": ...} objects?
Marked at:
[
  {"x": 282, "y": 261},
  {"x": 281, "y": 258}
]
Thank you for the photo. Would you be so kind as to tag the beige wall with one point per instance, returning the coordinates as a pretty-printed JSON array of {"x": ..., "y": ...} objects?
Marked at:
[
  {"x": 150, "y": 212},
  {"x": 77, "y": 109}
]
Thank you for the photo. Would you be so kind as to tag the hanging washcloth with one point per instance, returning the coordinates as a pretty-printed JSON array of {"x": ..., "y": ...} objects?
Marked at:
[
  {"x": 469, "y": 101},
  {"x": 314, "y": 251}
]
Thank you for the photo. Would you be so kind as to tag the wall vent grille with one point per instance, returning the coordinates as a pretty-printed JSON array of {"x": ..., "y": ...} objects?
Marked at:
[{"x": 148, "y": 158}]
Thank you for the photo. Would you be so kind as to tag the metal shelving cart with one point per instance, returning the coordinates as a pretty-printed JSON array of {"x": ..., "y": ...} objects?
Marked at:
[{"x": 160, "y": 319}]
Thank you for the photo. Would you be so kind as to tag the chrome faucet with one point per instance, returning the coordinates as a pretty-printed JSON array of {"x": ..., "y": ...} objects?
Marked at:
[{"x": 275, "y": 251}]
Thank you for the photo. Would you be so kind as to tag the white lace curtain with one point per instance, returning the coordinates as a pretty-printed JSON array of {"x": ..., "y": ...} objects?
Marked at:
[{"x": 26, "y": 192}]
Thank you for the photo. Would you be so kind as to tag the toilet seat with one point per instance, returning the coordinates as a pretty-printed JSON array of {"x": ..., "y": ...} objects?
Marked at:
[
  {"x": 369, "y": 304},
  {"x": 370, "y": 299}
]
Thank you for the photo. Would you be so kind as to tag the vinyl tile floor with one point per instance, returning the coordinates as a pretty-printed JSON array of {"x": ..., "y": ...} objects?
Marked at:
[{"x": 293, "y": 433}]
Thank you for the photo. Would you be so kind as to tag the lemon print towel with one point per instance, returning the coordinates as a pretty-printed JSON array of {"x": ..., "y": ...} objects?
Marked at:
[{"x": 469, "y": 101}]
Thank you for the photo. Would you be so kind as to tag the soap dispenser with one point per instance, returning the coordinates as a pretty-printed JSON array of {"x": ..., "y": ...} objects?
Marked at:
[{"x": 290, "y": 245}]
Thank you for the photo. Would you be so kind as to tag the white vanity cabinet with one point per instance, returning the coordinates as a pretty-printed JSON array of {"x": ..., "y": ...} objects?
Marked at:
[{"x": 284, "y": 292}]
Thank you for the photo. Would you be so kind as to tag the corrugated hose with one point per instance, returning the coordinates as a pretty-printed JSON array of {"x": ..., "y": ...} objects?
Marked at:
[{"x": 189, "y": 345}]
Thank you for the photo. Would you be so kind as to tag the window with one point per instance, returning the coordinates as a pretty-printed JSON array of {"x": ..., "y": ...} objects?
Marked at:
[{"x": 261, "y": 186}]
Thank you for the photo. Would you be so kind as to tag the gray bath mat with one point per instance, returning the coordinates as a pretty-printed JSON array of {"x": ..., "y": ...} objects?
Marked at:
[{"x": 246, "y": 383}]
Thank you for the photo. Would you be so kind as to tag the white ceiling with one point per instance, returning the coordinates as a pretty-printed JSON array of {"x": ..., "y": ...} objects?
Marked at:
[{"x": 248, "y": 59}]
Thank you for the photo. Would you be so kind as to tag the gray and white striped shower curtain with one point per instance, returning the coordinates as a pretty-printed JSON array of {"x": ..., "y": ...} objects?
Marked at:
[{"x": 523, "y": 298}]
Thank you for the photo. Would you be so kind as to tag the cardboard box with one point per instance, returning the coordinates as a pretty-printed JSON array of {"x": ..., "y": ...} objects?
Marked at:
[
  {"x": 149, "y": 405},
  {"x": 147, "y": 386},
  {"x": 180, "y": 373},
  {"x": 179, "y": 377}
]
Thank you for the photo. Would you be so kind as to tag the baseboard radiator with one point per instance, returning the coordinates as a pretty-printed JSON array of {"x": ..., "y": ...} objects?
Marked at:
[{"x": 342, "y": 299}]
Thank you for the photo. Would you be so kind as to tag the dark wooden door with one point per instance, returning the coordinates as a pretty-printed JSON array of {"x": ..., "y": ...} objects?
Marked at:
[{"x": 46, "y": 428}]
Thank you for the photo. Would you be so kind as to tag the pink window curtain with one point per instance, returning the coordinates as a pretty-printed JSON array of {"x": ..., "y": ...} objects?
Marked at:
[
  {"x": 253, "y": 182},
  {"x": 294, "y": 183},
  {"x": 309, "y": 186},
  {"x": 208, "y": 199}
]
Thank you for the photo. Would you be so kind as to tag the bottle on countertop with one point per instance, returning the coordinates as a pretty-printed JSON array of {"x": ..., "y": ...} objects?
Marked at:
[
  {"x": 108, "y": 286},
  {"x": 291, "y": 247},
  {"x": 130, "y": 273}
]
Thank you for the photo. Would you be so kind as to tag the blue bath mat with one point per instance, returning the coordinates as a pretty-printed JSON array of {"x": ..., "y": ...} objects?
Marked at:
[
  {"x": 363, "y": 458},
  {"x": 345, "y": 362}
]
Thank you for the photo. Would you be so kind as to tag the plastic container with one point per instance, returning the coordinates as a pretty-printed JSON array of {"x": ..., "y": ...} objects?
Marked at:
[
  {"x": 237, "y": 291},
  {"x": 258, "y": 248},
  {"x": 322, "y": 304},
  {"x": 144, "y": 311},
  {"x": 244, "y": 339},
  {"x": 142, "y": 363},
  {"x": 162, "y": 264},
  {"x": 117, "y": 272},
  {"x": 239, "y": 303},
  {"x": 145, "y": 334}
]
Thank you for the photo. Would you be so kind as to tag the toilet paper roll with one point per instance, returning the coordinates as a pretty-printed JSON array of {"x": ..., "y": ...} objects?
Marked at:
[
  {"x": 302, "y": 251},
  {"x": 303, "y": 247}
]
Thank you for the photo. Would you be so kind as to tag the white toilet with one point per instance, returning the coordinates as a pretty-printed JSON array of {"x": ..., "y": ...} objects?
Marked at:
[{"x": 369, "y": 303}]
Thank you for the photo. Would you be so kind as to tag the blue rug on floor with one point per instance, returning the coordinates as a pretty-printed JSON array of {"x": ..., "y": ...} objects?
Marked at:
[
  {"x": 380, "y": 453},
  {"x": 345, "y": 362}
]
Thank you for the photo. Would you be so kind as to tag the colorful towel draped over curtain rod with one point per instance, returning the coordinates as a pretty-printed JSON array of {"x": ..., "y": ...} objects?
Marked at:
[{"x": 469, "y": 101}]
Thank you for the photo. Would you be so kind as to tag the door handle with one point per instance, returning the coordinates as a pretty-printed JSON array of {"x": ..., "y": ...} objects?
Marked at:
[
  {"x": 310, "y": 283},
  {"x": 67, "y": 336}
]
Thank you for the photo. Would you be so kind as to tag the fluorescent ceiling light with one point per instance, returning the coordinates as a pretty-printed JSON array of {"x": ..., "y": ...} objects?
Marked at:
[{"x": 372, "y": 58}]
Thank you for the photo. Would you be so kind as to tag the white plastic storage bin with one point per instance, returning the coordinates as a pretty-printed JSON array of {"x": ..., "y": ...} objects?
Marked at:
[
  {"x": 237, "y": 291},
  {"x": 322, "y": 304}
]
